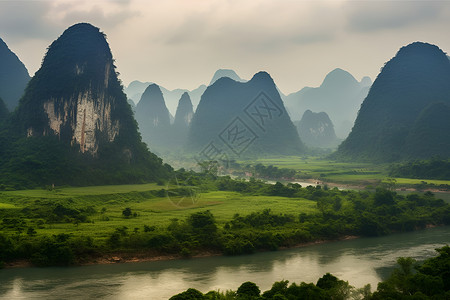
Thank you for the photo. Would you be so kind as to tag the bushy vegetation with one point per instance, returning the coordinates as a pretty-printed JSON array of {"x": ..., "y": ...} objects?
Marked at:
[
  {"x": 434, "y": 168},
  {"x": 333, "y": 214},
  {"x": 429, "y": 280}
]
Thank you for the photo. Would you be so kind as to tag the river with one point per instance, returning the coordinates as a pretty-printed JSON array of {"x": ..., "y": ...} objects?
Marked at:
[{"x": 360, "y": 261}]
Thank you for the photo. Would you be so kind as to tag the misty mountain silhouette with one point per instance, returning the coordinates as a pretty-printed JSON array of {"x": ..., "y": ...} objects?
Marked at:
[
  {"x": 340, "y": 96},
  {"x": 226, "y": 73},
  {"x": 183, "y": 118},
  {"x": 243, "y": 119},
  {"x": 184, "y": 113},
  {"x": 13, "y": 77},
  {"x": 153, "y": 118},
  {"x": 136, "y": 88},
  {"x": 396, "y": 120}
]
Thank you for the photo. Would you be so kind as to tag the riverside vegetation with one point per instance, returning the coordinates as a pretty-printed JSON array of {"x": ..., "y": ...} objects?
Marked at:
[
  {"x": 196, "y": 214},
  {"x": 428, "y": 280}
]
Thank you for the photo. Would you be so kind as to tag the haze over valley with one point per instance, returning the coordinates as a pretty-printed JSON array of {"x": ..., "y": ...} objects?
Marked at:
[{"x": 155, "y": 146}]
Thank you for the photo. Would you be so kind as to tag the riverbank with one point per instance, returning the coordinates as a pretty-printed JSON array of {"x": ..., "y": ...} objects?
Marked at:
[
  {"x": 358, "y": 261},
  {"x": 151, "y": 256}
]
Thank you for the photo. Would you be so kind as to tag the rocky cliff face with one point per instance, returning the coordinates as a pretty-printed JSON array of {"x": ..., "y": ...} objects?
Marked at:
[
  {"x": 13, "y": 77},
  {"x": 76, "y": 95},
  {"x": 85, "y": 115}
]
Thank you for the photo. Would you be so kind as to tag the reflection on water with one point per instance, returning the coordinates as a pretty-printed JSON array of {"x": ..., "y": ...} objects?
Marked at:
[{"x": 359, "y": 261}]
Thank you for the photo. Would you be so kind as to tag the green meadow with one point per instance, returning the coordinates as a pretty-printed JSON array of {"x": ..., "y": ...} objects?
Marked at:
[
  {"x": 108, "y": 203},
  {"x": 359, "y": 173}
]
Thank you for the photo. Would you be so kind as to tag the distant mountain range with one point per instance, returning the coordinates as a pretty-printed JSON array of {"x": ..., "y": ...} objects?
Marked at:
[
  {"x": 340, "y": 96},
  {"x": 136, "y": 88},
  {"x": 406, "y": 113},
  {"x": 13, "y": 77}
]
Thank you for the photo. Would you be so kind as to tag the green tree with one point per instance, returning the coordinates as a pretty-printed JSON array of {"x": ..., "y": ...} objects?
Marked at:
[
  {"x": 248, "y": 290},
  {"x": 190, "y": 294},
  {"x": 127, "y": 212}
]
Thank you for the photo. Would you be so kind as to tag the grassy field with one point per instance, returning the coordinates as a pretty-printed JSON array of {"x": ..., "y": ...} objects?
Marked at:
[
  {"x": 80, "y": 191},
  {"x": 315, "y": 167},
  {"x": 150, "y": 210},
  {"x": 339, "y": 172},
  {"x": 419, "y": 181}
]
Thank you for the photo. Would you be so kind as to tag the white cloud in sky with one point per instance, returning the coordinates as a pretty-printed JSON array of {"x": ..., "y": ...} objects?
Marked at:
[{"x": 180, "y": 43}]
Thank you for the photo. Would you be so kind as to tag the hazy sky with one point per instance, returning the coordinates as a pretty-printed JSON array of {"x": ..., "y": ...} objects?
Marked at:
[{"x": 180, "y": 43}]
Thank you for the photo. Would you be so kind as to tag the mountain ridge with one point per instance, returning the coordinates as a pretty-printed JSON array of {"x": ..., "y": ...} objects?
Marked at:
[
  {"x": 14, "y": 77},
  {"x": 419, "y": 74},
  {"x": 229, "y": 107}
]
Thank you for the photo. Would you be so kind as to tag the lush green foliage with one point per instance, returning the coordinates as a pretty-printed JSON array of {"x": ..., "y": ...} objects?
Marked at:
[
  {"x": 181, "y": 225},
  {"x": 429, "y": 280},
  {"x": 422, "y": 169}
]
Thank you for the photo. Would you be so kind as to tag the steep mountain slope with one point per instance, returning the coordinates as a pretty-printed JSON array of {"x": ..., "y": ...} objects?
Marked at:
[
  {"x": 74, "y": 125},
  {"x": 13, "y": 77},
  {"x": 3, "y": 110},
  {"x": 340, "y": 96},
  {"x": 183, "y": 118},
  {"x": 243, "y": 119},
  {"x": 430, "y": 134},
  {"x": 317, "y": 130},
  {"x": 153, "y": 118},
  {"x": 185, "y": 112},
  {"x": 390, "y": 120}
]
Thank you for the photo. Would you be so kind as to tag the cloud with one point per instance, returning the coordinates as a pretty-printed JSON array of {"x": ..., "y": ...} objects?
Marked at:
[
  {"x": 26, "y": 19},
  {"x": 368, "y": 16},
  {"x": 104, "y": 16},
  {"x": 47, "y": 19},
  {"x": 255, "y": 26}
]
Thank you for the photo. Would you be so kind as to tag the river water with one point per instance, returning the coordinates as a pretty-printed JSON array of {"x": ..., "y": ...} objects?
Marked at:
[{"x": 360, "y": 261}]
